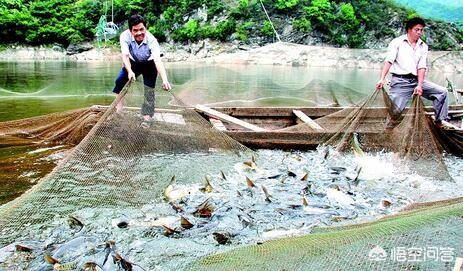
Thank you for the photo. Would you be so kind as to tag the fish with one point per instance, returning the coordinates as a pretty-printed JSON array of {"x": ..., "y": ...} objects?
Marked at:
[
  {"x": 305, "y": 177},
  {"x": 110, "y": 246},
  {"x": 274, "y": 176},
  {"x": 267, "y": 194},
  {"x": 356, "y": 179},
  {"x": 221, "y": 238},
  {"x": 325, "y": 152},
  {"x": 249, "y": 182},
  {"x": 207, "y": 186},
  {"x": 172, "y": 193},
  {"x": 169, "y": 231},
  {"x": 386, "y": 203},
  {"x": 223, "y": 175},
  {"x": 204, "y": 209},
  {"x": 245, "y": 219},
  {"x": 313, "y": 210},
  {"x": 339, "y": 197},
  {"x": 176, "y": 208},
  {"x": 337, "y": 170},
  {"x": 251, "y": 164},
  {"x": 91, "y": 266},
  {"x": 122, "y": 263},
  {"x": 307, "y": 189},
  {"x": 291, "y": 174},
  {"x": 356, "y": 147},
  {"x": 23, "y": 248},
  {"x": 49, "y": 259},
  {"x": 65, "y": 266},
  {"x": 355, "y": 175},
  {"x": 185, "y": 223},
  {"x": 75, "y": 223}
]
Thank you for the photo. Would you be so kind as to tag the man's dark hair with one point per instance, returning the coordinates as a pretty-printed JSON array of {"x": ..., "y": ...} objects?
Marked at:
[
  {"x": 136, "y": 19},
  {"x": 414, "y": 21}
]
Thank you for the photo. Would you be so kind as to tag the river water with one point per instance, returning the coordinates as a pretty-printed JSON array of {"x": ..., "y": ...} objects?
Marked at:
[{"x": 36, "y": 88}]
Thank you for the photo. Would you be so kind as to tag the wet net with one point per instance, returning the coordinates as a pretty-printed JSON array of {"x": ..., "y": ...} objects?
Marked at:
[
  {"x": 429, "y": 237},
  {"x": 130, "y": 161},
  {"x": 137, "y": 187},
  {"x": 377, "y": 126}
]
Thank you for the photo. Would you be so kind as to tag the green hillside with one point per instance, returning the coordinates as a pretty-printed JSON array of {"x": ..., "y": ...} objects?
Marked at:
[
  {"x": 354, "y": 24},
  {"x": 450, "y": 10}
]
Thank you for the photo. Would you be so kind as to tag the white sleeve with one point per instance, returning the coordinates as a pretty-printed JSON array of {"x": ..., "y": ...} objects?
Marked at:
[
  {"x": 155, "y": 50},
  {"x": 392, "y": 51},
  {"x": 124, "y": 43},
  {"x": 422, "y": 60}
]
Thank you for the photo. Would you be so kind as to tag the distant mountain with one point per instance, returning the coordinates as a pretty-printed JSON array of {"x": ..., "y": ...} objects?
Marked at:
[{"x": 449, "y": 10}]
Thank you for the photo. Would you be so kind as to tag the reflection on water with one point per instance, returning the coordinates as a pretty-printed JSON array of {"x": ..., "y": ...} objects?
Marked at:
[{"x": 37, "y": 88}]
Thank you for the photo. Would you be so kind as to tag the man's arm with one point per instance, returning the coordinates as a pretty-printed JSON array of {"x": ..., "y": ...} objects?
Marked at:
[
  {"x": 162, "y": 72},
  {"x": 128, "y": 66},
  {"x": 384, "y": 72},
  {"x": 124, "y": 42},
  {"x": 419, "y": 88},
  {"x": 421, "y": 71}
]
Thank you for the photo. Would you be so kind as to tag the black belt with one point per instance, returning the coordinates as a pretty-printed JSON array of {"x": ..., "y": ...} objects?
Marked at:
[{"x": 405, "y": 76}]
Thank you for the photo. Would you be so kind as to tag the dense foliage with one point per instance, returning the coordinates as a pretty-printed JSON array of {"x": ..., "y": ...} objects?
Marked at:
[{"x": 354, "y": 23}]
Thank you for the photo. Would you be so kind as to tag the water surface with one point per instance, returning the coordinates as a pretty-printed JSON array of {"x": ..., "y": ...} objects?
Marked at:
[{"x": 36, "y": 88}]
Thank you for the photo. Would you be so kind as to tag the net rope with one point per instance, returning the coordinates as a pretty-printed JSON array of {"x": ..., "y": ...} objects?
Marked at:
[
  {"x": 375, "y": 125},
  {"x": 426, "y": 238},
  {"x": 123, "y": 163},
  {"x": 124, "y": 166}
]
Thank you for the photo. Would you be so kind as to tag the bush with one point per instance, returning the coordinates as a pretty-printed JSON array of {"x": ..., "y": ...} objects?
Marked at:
[
  {"x": 302, "y": 25},
  {"x": 188, "y": 32},
  {"x": 286, "y": 4},
  {"x": 242, "y": 31},
  {"x": 267, "y": 29}
]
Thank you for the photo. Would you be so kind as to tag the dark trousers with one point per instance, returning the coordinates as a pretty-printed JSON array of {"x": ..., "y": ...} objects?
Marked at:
[{"x": 149, "y": 72}]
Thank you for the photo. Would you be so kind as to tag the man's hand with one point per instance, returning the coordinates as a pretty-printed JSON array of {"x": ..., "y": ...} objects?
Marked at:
[
  {"x": 131, "y": 76},
  {"x": 380, "y": 84},
  {"x": 166, "y": 86},
  {"x": 418, "y": 90}
]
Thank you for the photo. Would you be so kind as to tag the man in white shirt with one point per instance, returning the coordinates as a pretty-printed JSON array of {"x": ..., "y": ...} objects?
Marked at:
[
  {"x": 406, "y": 59},
  {"x": 141, "y": 55}
]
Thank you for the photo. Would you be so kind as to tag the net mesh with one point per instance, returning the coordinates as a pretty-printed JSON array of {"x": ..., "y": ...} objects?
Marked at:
[
  {"x": 64, "y": 128},
  {"x": 421, "y": 239},
  {"x": 126, "y": 166},
  {"x": 375, "y": 125},
  {"x": 123, "y": 163}
]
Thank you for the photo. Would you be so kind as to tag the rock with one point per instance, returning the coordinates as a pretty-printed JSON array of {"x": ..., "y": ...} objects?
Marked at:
[
  {"x": 57, "y": 48},
  {"x": 78, "y": 48}
]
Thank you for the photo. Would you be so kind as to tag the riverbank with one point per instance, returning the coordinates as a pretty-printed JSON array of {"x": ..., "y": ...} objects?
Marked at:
[{"x": 227, "y": 53}]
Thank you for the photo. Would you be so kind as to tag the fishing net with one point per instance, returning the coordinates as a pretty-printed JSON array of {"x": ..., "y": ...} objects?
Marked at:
[
  {"x": 429, "y": 237},
  {"x": 30, "y": 148},
  {"x": 58, "y": 128},
  {"x": 130, "y": 179},
  {"x": 123, "y": 164},
  {"x": 375, "y": 125}
]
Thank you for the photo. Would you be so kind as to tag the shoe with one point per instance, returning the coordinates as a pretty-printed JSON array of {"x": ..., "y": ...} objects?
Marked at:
[
  {"x": 145, "y": 125},
  {"x": 439, "y": 124},
  {"x": 445, "y": 125},
  {"x": 147, "y": 118}
]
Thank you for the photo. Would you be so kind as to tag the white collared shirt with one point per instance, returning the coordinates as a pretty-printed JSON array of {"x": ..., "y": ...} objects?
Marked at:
[
  {"x": 404, "y": 58},
  {"x": 147, "y": 50}
]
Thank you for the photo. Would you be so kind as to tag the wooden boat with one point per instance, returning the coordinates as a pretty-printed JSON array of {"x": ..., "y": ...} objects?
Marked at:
[
  {"x": 255, "y": 127},
  {"x": 266, "y": 127}
]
